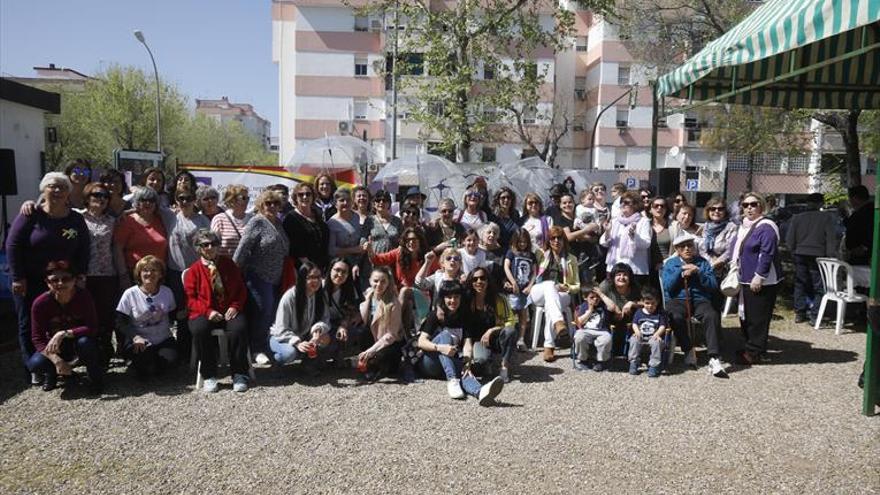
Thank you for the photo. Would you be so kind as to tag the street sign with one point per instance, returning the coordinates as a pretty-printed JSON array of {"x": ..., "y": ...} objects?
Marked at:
[
  {"x": 693, "y": 185},
  {"x": 631, "y": 183}
]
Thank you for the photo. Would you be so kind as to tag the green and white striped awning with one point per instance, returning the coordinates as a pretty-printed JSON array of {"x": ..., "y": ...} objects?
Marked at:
[{"x": 790, "y": 54}]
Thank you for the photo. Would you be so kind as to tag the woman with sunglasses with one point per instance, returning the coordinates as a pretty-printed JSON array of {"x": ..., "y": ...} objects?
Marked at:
[
  {"x": 65, "y": 327},
  {"x": 181, "y": 226},
  {"x": 492, "y": 326},
  {"x": 718, "y": 233},
  {"x": 142, "y": 316},
  {"x": 505, "y": 215},
  {"x": 345, "y": 231},
  {"x": 535, "y": 222},
  {"x": 80, "y": 173},
  {"x": 215, "y": 298},
  {"x": 260, "y": 254},
  {"x": 450, "y": 269},
  {"x": 52, "y": 231},
  {"x": 755, "y": 249},
  {"x": 114, "y": 181},
  {"x": 306, "y": 229},
  {"x": 230, "y": 223},
  {"x": 325, "y": 201},
  {"x": 628, "y": 238},
  {"x": 101, "y": 277},
  {"x": 139, "y": 234},
  {"x": 557, "y": 281},
  {"x": 442, "y": 338}
]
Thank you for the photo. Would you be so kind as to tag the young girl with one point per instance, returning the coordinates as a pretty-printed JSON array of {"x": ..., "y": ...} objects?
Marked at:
[
  {"x": 472, "y": 255},
  {"x": 520, "y": 269},
  {"x": 382, "y": 312},
  {"x": 592, "y": 329},
  {"x": 441, "y": 339},
  {"x": 450, "y": 269}
]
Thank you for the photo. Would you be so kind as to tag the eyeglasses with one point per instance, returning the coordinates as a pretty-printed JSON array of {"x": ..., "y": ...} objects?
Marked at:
[
  {"x": 54, "y": 280},
  {"x": 100, "y": 195},
  {"x": 185, "y": 199},
  {"x": 750, "y": 204},
  {"x": 479, "y": 278},
  {"x": 717, "y": 209},
  {"x": 453, "y": 258},
  {"x": 209, "y": 244}
]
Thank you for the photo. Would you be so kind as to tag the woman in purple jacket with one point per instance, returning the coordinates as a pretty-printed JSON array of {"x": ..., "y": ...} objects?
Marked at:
[{"x": 756, "y": 250}]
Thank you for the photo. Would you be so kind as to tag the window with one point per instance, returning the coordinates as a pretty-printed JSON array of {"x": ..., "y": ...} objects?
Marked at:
[
  {"x": 488, "y": 154},
  {"x": 581, "y": 44},
  {"x": 623, "y": 75},
  {"x": 619, "y": 158},
  {"x": 622, "y": 117},
  {"x": 360, "y": 109},
  {"x": 529, "y": 114},
  {"x": 360, "y": 65},
  {"x": 361, "y": 23}
]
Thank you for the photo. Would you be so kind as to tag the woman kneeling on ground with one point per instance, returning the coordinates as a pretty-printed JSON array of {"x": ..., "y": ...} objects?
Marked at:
[
  {"x": 302, "y": 322},
  {"x": 64, "y": 326},
  {"x": 440, "y": 339},
  {"x": 384, "y": 341},
  {"x": 142, "y": 316},
  {"x": 492, "y": 324},
  {"x": 215, "y": 297}
]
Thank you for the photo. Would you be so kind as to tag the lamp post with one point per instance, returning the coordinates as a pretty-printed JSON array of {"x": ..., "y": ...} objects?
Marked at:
[{"x": 140, "y": 37}]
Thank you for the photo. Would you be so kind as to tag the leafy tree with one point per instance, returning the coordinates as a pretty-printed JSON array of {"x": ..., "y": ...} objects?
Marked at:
[{"x": 452, "y": 103}]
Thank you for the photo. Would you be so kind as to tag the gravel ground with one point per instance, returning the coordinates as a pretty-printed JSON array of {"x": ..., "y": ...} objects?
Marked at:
[{"x": 792, "y": 425}]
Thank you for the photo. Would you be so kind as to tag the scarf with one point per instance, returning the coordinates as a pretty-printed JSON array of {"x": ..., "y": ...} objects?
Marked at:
[
  {"x": 711, "y": 231},
  {"x": 626, "y": 246}
]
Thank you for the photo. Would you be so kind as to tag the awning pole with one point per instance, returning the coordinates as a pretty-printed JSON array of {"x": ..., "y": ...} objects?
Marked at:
[{"x": 872, "y": 346}]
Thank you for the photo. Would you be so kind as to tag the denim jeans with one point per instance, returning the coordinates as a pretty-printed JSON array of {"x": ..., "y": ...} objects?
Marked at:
[
  {"x": 437, "y": 365},
  {"x": 84, "y": 347},
  {"x": 262, "y": 302},
  {"x": 808, "y": 288}
]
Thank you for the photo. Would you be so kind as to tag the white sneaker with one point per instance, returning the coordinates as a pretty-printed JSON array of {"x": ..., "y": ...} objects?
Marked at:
[
  {"x": 521, "y": 345},
  {"x": 690, "y": 359},
  {"x": 504, "y": 375},
  {"x": 239, "y": 383},
  {"x": 716, "y": 369},
  {"x": 210, "y": 386},
  {"x": 489, "y": 391},
  {"x": 262, "y": 359},
  {"x": 453, "y": 387}
]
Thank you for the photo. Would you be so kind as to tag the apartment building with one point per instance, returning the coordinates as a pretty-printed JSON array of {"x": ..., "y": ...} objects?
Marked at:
[{"x": 223, "y": 111}]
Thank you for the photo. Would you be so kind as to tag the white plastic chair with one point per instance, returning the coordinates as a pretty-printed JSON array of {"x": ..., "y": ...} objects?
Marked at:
[{"x": 829, "y": 268}]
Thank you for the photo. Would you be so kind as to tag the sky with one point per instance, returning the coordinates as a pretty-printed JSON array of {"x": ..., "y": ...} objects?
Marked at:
[{"x": 207, "y": 48}]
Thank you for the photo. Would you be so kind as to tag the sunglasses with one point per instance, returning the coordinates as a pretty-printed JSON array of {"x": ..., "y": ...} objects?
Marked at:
[
  {"x": 717, "y": 209},
  {"x": 209, "y": 244},
  {"x": 100, "y": 195},
  {"x": 185, "y": 199},
  {"x": 453, "y": 258},
  {"x": 63, "y": 279},
  {"x": 750, "y": 204}
]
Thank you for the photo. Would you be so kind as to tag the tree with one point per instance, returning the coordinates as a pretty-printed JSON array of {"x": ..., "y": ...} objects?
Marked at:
[
  {"x": 450, "y": 45},
  {"x": 665, "y": 33}
]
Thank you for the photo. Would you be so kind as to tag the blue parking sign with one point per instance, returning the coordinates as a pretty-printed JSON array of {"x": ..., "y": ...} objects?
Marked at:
[{"x": 693, "y": 184}]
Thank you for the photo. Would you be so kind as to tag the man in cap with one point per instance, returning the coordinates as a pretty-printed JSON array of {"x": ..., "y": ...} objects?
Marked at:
[
  {"x": 811, "y": 234},
  {"x": 690, "y": 286}
]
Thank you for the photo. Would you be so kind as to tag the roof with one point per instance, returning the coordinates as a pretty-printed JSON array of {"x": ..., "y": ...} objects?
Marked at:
[
  {"x": 30, "y": 96},
  {"x": 791, "y": 54}
]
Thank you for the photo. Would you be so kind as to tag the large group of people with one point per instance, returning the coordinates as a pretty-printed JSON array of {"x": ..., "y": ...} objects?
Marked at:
[{"x": 320, "y": 274}]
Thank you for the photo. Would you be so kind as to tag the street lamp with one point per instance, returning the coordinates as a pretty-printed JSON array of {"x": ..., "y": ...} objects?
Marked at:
[{"x": 140, "y": 37}]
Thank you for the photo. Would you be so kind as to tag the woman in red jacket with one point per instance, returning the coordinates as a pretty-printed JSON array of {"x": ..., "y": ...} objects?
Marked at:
[{"x": 215, "y": 297}]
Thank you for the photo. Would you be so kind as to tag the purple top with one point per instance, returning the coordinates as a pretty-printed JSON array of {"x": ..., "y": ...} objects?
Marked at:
[
  {"x": 759, "y": 254},
  {"x": 35, "y": 240}
]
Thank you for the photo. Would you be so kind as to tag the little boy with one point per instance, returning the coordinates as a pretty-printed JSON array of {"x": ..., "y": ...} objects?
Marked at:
[
  {"x": 649, "y": 326},
  {"x": 592, "y": 322}
]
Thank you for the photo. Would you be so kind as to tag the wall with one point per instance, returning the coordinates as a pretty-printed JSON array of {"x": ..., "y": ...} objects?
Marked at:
[{"x": 22, "y": 129}]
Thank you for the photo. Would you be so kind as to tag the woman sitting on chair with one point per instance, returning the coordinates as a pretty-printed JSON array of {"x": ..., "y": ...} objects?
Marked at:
[
  {"x": 215, "y": 297},
  {"x": 558, "y": 280},
  {"x": 142, "y": 315},
  {"x": 302, "y": 323}
]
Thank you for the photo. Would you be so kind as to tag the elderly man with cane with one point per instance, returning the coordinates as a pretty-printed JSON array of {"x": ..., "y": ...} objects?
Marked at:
[{"x": 690, "y": 286}]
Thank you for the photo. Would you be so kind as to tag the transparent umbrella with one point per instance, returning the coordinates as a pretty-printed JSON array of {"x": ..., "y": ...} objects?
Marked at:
[
  {"x": 331, "y": 154},
  {"x": 436, "y": 177}
]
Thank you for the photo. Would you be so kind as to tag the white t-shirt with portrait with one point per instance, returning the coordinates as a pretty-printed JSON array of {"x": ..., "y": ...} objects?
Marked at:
[{"x": 148, "y": 313}]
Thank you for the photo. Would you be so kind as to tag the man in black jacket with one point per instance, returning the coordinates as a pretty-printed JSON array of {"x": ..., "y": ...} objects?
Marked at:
[{"x": 811, "y": 234}]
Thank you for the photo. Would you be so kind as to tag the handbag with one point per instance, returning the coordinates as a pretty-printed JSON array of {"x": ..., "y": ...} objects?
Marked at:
[{"x": 730, "y": 285}]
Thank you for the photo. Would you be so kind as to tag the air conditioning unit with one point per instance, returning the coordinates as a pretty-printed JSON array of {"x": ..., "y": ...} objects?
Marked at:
[
  {"x": 344, "y": 127},
  {"x": 580, "y": 94}
]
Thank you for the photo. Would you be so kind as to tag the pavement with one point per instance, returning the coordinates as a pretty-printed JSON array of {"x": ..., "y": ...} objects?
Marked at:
[{"x": 791, "y": 425}]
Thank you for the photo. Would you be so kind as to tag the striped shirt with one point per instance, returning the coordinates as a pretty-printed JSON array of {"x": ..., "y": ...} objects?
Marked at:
[{"x": 230, "y": 230}]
